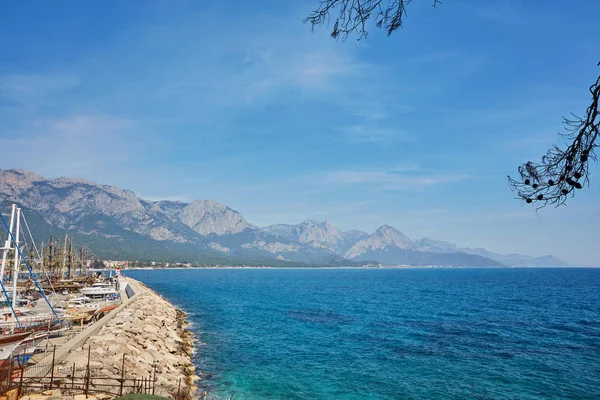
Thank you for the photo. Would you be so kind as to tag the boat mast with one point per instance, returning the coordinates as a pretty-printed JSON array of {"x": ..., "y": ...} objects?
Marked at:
[
  {"x": 6, "y": 247},
  {"x": 64, "y": 259},
  {"x": 17, "y": 260},
  {"x": 57, "y": 257},
  {"x": 85, "y": 260},
  {"x": 43, "y": 260},
  {"x": 51, "y": 256},
  {"x": 70, "y": 258}
]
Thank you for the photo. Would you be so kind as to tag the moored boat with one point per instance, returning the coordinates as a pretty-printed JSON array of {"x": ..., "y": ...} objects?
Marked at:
[
  {"x": 100, "y": 290},
  {"x": 25, "y": 349},
  {"x": 8, "y": 343}
]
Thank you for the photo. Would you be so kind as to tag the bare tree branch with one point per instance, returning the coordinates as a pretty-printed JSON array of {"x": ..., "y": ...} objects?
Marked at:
[
  {"x": 558, "y": 175},
  {"x": 561, "y": 172},
  {"x": 353, "y": 15}
]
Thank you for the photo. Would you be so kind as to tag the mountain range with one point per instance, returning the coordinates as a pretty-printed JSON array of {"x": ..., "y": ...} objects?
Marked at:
[{"x": 120, "y": 225}]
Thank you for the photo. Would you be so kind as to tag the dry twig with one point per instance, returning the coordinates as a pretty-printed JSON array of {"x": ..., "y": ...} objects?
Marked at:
[
  {"x": 353, "y": 15},
  {"x": 561, "y": 172}
]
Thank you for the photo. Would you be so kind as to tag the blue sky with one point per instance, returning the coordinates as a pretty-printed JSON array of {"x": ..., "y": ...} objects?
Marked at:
[{"x": 241, "y": 103}]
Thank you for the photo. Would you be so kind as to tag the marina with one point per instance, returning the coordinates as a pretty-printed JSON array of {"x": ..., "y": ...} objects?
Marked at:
[{"x": 58, "y": 310}]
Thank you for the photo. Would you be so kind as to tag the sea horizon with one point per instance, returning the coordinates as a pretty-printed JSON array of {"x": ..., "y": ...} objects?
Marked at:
[{"x": 362, "y": 267}]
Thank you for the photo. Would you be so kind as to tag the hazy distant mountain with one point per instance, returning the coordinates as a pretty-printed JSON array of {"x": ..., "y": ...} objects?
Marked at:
[
  {"x": 322, "y": 235},
  {"x": 436, "y": 246},
  {"x": 390, "y": 246},
  {"x": 515, "y": 260},
  {"x": 384, "y": 237},
  {"x": 119, "y": 224},
  {"x": 397, "y": 256}
]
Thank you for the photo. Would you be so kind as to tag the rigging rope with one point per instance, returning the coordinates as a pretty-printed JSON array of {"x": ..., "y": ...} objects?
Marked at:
[
  {"x": 28, "y": 268},
  {"x": 10, "y": 304},
  {"x": 37, "y": 252}
]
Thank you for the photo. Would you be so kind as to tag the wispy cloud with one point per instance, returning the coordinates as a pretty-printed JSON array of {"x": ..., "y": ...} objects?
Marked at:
[
  {"x": 513, "y": 112},
  {"x": 264, "y": 66},
  {"x": 393, "y": 179},
  {"x": 451, "y": 65},
  {"x": 429, "y": 212},
  {"x": 532, "y": 144},
  {"x": 24, "y": 88},
  {"x": 374, "y": 134},
  {"x": 302, "y": 211},
  {"x": 503, "y": 11},
  {"x": 76, "y": 145}
]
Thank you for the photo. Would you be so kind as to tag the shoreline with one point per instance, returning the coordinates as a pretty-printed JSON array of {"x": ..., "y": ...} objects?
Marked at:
[
  {"x": 362, "y": 267},
  {"x": 187, "y": 346}
]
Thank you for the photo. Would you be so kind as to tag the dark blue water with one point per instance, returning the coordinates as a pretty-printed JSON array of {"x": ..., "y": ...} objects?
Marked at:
[{"x": 392, "y": 333}]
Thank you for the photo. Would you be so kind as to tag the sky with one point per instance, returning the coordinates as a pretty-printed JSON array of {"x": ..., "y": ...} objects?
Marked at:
[{"x": 240, "y": 102}]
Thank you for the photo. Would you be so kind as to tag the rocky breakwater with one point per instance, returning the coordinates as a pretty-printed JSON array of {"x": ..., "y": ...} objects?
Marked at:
[{"x": 151, "y": 333}]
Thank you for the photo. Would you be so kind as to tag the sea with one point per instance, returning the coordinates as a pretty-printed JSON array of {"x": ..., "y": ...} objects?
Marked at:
[{"x": 406, "y": 333}]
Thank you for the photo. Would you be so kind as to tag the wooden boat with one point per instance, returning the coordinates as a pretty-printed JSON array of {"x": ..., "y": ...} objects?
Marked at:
[
  {"x": 23, "y": 352},
  {"x": 8, "y": 343}
]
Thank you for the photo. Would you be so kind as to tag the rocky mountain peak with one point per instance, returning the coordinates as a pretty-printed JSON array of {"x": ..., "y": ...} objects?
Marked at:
[
  {"x": 323, "y": 233},
  {"x": 208, "y": 205},
  {"x": 17, "y": 179},
  {"x": 65, "y": 202},
  {"x": 27, "y": 175},
  {"x": 393, "y": 236},
  {"x": 316, "y": 234},
  {"x": 385, "y": 236},
  {"x": 211, "y": 217}
]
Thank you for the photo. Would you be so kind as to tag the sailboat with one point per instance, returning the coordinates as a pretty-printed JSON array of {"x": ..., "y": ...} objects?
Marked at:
[{"x": 24, "y": 331}]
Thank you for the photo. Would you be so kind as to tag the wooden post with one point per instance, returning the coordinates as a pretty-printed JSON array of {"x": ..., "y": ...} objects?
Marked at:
[
  {"x": 122, "y": 376},
  {"x": 179, "y": 388},
  {"x": 22, "y": 375},
  {"x": 87, "y": 377},
  {"x": 73, "y": 377},
  {"x": 10, "y": 370},
  {"x": 20, "y": 391},
  {"x": 52, "y": 371},
  {"x": 154, "y": 380}
]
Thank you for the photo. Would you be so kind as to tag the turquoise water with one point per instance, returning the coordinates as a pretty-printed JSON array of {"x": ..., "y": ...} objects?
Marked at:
[{"x": 392, "y": 333}]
